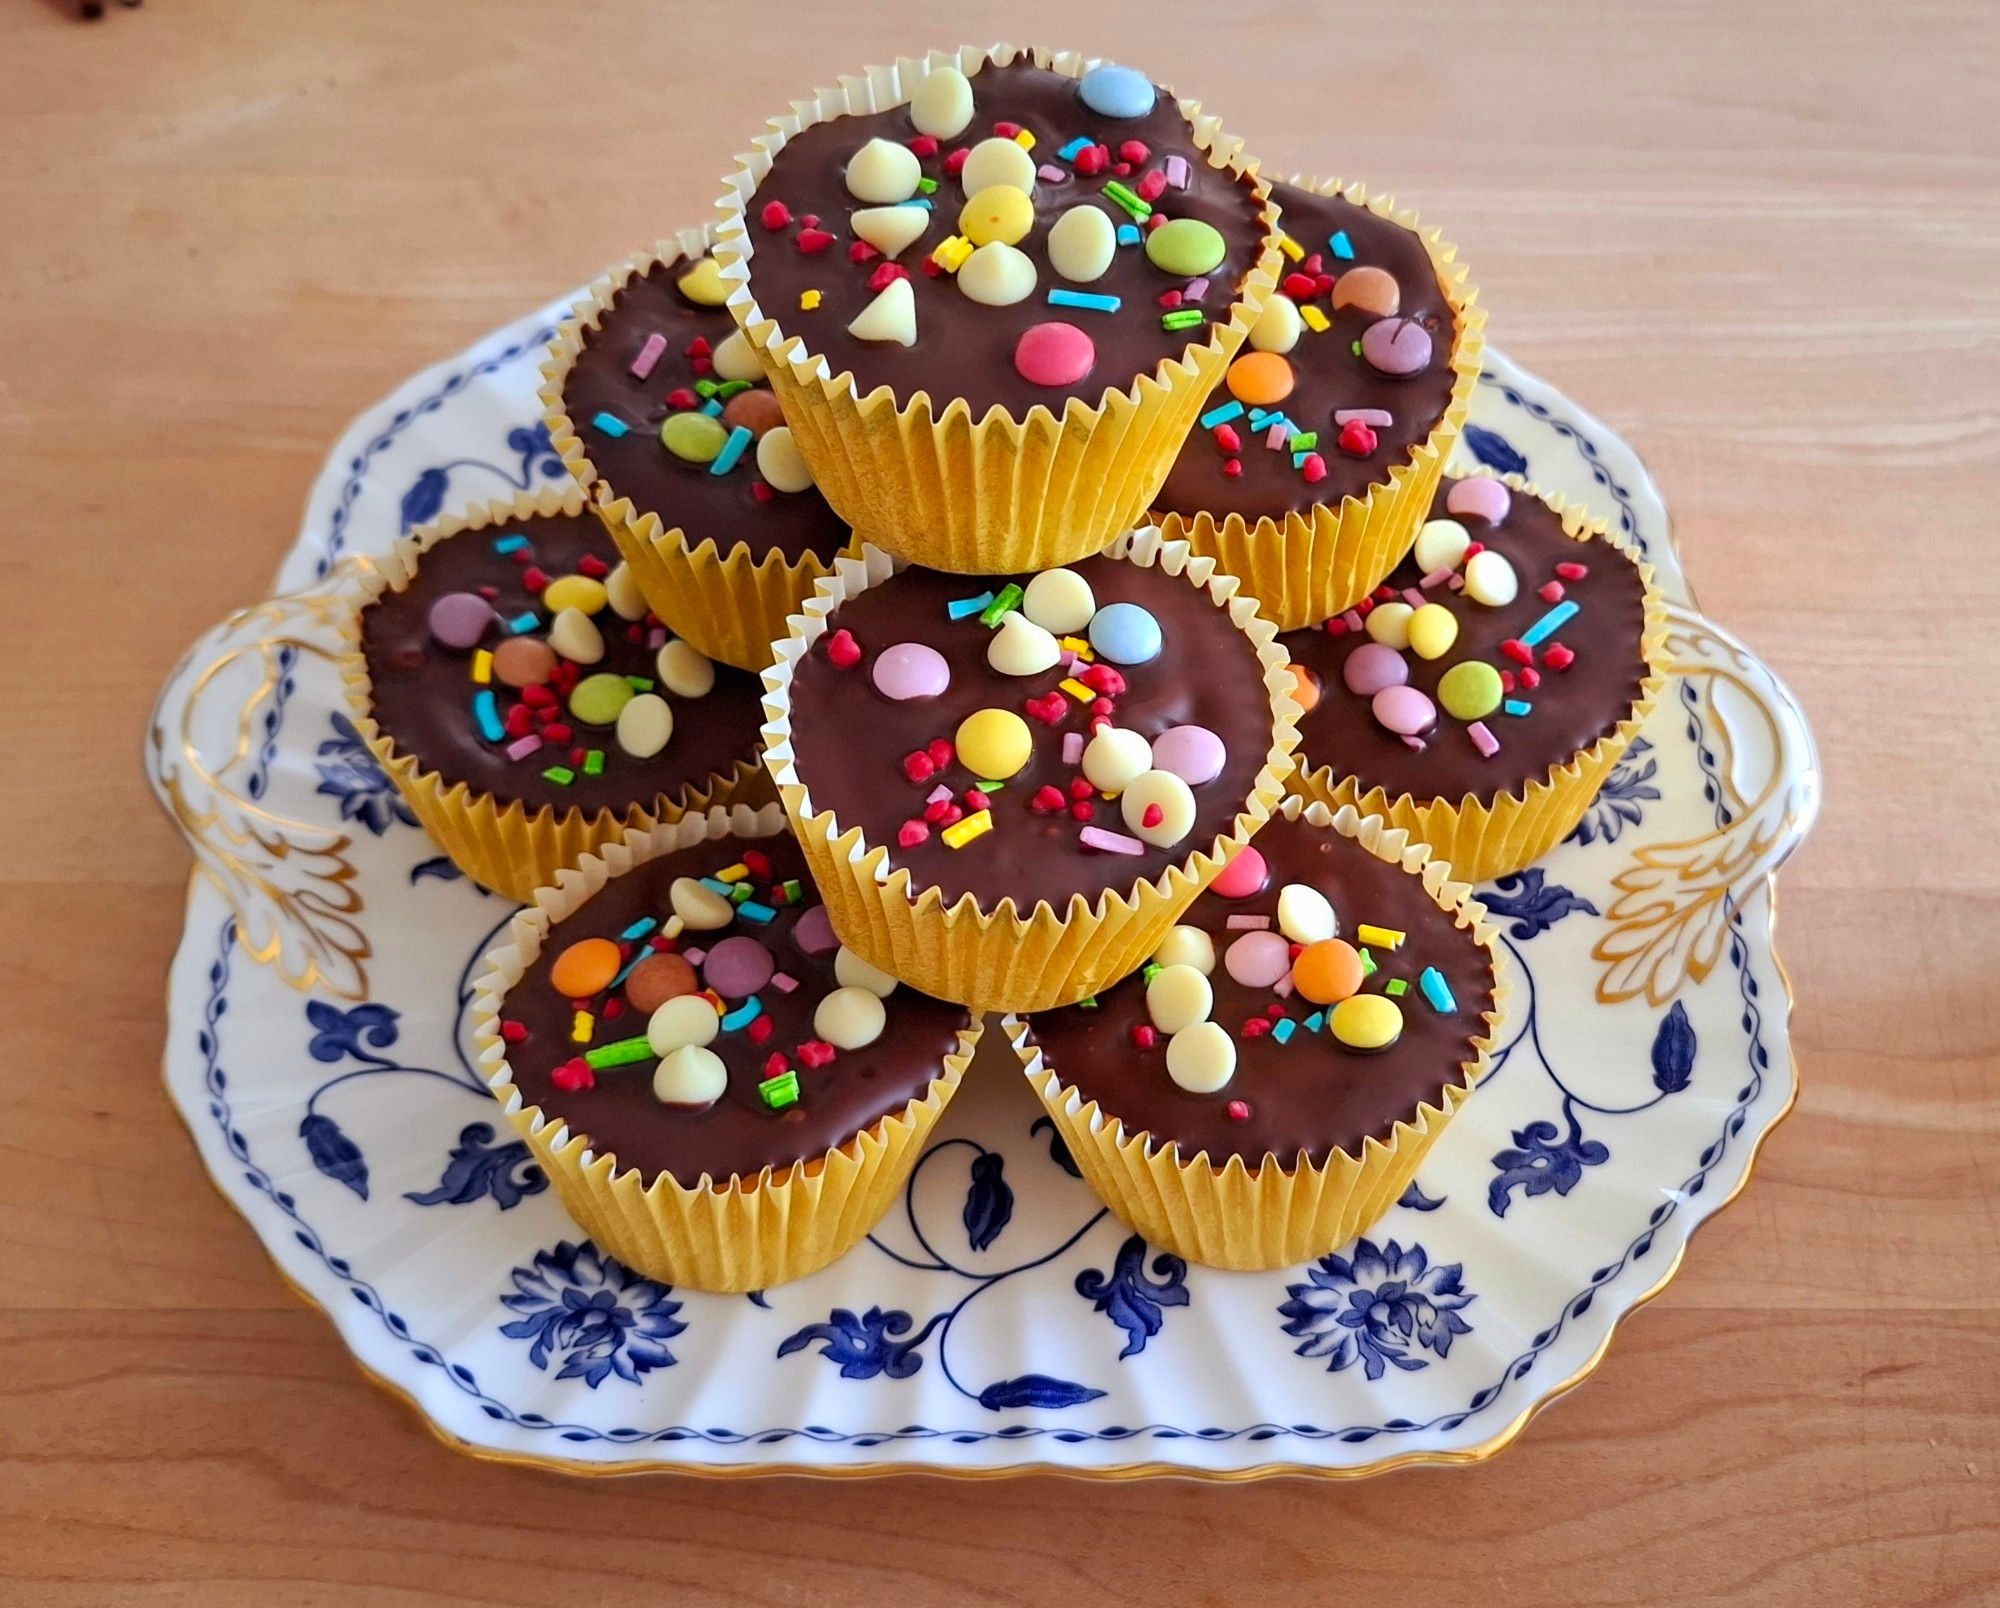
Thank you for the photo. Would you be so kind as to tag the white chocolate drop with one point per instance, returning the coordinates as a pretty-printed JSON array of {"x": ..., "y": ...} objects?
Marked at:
[
  {"x": 1441, "y": 545},
  {"x": 1178, "y": 997},
  {"x": 996, "y": 161},
  {"x": 779, "y": 460},
  {"x": 889, "y": 229},
  {"x": 645, "y": 725},
  {"x": 1490, "y": 579},
  {"x": 883, "y": 172},
  {"x": 1304, "y": 915},
  {"x": 684, "y": 670},
  {"x": 1022, "y": 648},
  {"x": 575, "y": 636},
  {"x": 850, "y": 1018},
  {"x": 621, "y": 591},
  {"x": 997, "y": 275},
  {"x": 1201, "y": 1058},
  {"x": 1114, "y": 757},
  {"x": 1059, "y": 600},
  {"x": 683, "y": 1020},
  {"x": 891, "y": 316},
  {"x": 1186, "y": 946},
  {"x": 1170, "y": 795},
  {"x": 854, "y": 972},
  {"x": 692, "y": 1075},
  {"x": 700, "y": 909},
  {"x": 1082, "y": 243},
  {"x": 1278, "y": 326},
  {"x": 942, "y": 105},
  {"x": 736, "y": 359}
]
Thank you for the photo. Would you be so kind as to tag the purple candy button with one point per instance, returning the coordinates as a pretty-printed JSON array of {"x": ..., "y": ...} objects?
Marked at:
[
  {"x": 1480, "y": 498},
  {"x": 1193, "y": 753},
  {"x": 1373, "y": 666},
  {"x": 460, "y": 619},
  {"x": 814, "y": 933},
  {"x": 737, "y": 967},
  {"x": 1396, "y": 346},
  {"x": 910, "y": 670}
]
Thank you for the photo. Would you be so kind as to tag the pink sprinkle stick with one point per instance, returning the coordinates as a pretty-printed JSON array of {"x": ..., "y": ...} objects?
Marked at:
[
  {"x": 937, "y": 794},
  {"x": 656, "y": 638},
  {"x": 1049, "y": 172},
  {"x": 1415, "y": 742},
  {"x": 649, "y": 354},
  {"x": 1437, "y": 577},
  {"x": 524, "y": 747},
  {"x": 1374, "y": 418},
  {"x": 1177, "y": 172},
  {"x": 1096, "y": 837},
  {"x": 1072, "y": 748},
  {"x": 1283, "y": 986},
  {"x": 1413, "y": 597},
  {"x": 784, "y": 982},
  {"x": 1279, "y": 434},
  {"x": 1248, "y": 923},
  {"x": 1482, "y": 739},
  {"x": 694, "y": 957},
  {"x": 1194, "y": 290},
  {"x": 1354, "y": 621}
]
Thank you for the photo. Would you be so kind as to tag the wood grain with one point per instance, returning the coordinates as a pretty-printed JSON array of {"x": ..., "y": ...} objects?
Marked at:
[{"x": 1761, "y": 238}]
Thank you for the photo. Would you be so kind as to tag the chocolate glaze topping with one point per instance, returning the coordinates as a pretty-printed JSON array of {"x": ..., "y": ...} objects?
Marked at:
[
  {"x": 1571, "y": 709},
  {"x": 1310, "y": 1094},
  {"x": 964, "y": 348},
  {"x": 423, "y": 691},
  {"x": 685, "y": 495},
  {"x": 850, "y": 741},
  {"x": 1331, "y": 377},
  {"x": 738, "y": 1134}
]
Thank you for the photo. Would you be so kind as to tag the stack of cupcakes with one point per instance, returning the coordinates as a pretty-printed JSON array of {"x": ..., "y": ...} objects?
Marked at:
[{"x": 1021, "y": 479}]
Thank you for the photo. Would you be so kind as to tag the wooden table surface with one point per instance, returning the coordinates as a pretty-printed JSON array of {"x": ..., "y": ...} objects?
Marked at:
[{"x": 1763, "y": 240}]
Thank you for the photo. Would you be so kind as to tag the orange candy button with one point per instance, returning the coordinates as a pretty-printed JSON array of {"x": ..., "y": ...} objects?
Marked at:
[
  {"x": 1305, "y": 687},
  {"x": 1260, "y": 378},
  {"x": 1328, "y": 971},
  {"x": 586, "y": 967}
]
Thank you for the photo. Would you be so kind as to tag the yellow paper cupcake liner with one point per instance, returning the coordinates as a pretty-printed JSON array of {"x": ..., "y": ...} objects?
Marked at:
[
  {"x": 1311, "y": 565},
  {"x": 506, "y": 847},
  {"x": 731, "y": 1234},
  {"x": 1273, "y": 1214},
  {"x": 998, "y": 958},
  {"x": 997, "y": 494},
  {"x": 727, "y": 602},
  {"x": 1494, "y": 835}
]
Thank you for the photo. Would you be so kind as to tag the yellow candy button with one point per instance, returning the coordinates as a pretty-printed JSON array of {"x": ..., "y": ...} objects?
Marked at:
[
  {"x": 993, "y": 743},
  {"x": 574, "y": 592},
  {"x": 1432, "y": 630},
  {"x": 999, "y": 212},
  {"x": 1367, "y": 1022}
]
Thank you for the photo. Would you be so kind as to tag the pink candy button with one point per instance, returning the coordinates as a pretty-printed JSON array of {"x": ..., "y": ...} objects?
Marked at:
[
  {"x": 1371, "y": 667},
  {"x": 1054, "y": 354},
  {"x": 1396, "y": 346},
  {"x": 1243, "y": 876},
  {"x": 1193, "y": 753},
  {"x": 1479, "y": 498},
  {"x": 1404, "y": 710},
  {"x": 910, "y": 670},
  {"x": 1258, "y": 959},
  {"x": 460, "y": 619}
]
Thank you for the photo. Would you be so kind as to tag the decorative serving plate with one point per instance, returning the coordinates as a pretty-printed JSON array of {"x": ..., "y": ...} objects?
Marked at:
[{"x": 998, "y": 1321}]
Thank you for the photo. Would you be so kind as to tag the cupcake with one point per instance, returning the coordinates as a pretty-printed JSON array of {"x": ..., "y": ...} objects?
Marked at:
[
  {"x": 655, "y": 402},
  {"x": 1009, "y": 787},
  {"x": 509, "y": 678},
  {"x": 1480, "y": 697},
  {"x": 722, "y": 1095},
  {"x": 991, "y": 290},
  {"x": 1315, "y": 459},
  {"x": 1266, "y": 1086}
]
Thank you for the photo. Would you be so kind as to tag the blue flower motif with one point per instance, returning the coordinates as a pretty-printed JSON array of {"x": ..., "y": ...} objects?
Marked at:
[
  {"x": 1494, "y": 450},
  {"x": 1673, "y": 1051},
  {"x": 333, "y": 1153},
  {"x": 1617, "y": 804},
  {"x": 479, "y": 1168},
  {"x": 343, "y": 1033},
  {"x": 537, "y": 453},
  {"x": 1371, "y": 1308},
  {"x": 863, "y": 1346},
  {"x": 424, "y": 498},
  {"x": 603, "y": 1318},
  {"x": 1534, "y": 904},
  {"x": 348, "y": 772},
  {"x": 1129, "y": 1298},
  {"x": 1541, "y": 1162}
]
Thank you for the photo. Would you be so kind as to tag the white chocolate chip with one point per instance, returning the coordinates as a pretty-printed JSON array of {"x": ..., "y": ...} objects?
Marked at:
[
  {"x": 997, "y": 275},
  {"x": 891, "y": 316},
  {"x": 1186, "y": 946},
  {"x": 683, "y": 1020},
  {"x": 1441, "y": 544},
  {"x": 1389, "y": 624},
  {"x": 1114, "y": 757},
  {"x": 1082, "y": 243},
  {"x": 942, "y": 105},
  {"x": 622, "y": 592},
  {"x": 995, "y": 161},
  {"x": 883, "y": 172},
  {"x": 700, "y": 909},
  {"x": 889, "y": 230},
  {"x": 575, "y": 636},
  {"x": 692, "y": 1075},
  {"x": 1277, "y": 327},
  {"x": 779, "y": 461},
  {"x": 1177, "y": 998},
  {"x": 735, "y": 359},
  {"x": 1166, "y": 792},
  {"x": 854, "y": 972},
  {"x": 1059, "y": 600},
  {"x": 645, "y": 725},
  {"x": 1490, "y": 579},
  {"x": 1201, "y": 1058},
  {"x": 684, "y": 671},
  {"x": 850, "y": 1018},
  {"x": 1304, "y": 916},
  {"x": 1021, "y": 648}
]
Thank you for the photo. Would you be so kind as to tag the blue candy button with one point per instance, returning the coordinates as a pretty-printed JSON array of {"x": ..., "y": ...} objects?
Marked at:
[
  {"x": 1117, "y": 92},
  {"x": 1124, "y": 633}
]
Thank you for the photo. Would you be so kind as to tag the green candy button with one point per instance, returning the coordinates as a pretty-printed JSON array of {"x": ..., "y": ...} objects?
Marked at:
[
  {"x": 598, "y": 699},
  {"x": 1470, "y": 690},
  {"x": 1185, "y": 246},
  {"x": 693, "y": 437}
]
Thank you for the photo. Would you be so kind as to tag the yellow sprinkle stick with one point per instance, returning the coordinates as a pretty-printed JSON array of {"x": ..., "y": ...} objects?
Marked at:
[
  {"x": 482, "y": 667},
  {"x": 1025, "y": 139},
  {"x": 808, "y": 300},
  {"x": 963, "y": 832},
  {"x": 1080, "y": 648},
  {"x": 1078, "y": 691},
  {"x": 1380, "y": 937},
  {"x": 581, "y": 1029},
  {"x": 1290, "y": 247},
  {"x": 1316, "y": 320},
  {"x": 734, "y": 873}
]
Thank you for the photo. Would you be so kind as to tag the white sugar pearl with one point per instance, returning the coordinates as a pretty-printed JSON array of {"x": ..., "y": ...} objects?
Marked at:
[
  {"x": 685, "y": 1019},
  {"x": 1186, "y": 946},
  {"x": 854, "y": 972},
  {"x": 692, "y": 1075},
  {"x": 1201, "y": 1058},
  {"x": 1304, "y": 916},
  {"x": 883, "y": 172},
  {"x": 1177, "y": 998},
  {"x": 1114, "y": 757},
  {"x": 1059, "y": 600},
  {"x": 700, "y": 909},
  {"x": 850, "y": 1018}
]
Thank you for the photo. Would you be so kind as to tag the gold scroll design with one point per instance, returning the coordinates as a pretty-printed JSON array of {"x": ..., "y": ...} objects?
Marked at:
[
  {"x": 1670, "y": 919},
  {"x": 289, "y": 882}
]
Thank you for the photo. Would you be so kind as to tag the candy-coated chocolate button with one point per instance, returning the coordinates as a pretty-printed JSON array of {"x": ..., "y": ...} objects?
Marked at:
[
  {"x": 460, "y": 619},
  {"x": 523, "y": 662},
  {"x": 850, "y": 1018},
  {"x": 575, "y": 636},
  {"x": 1059, "y": 600},
  {"x": 1201, "y": 1058},
  {"x": 1082, "y": 244},
  {"x": 1178, "y": 997},
  {"x": 910, "y": 670},
  {"x": 1260, "y": 378},
  {"x": 685, "y": 1019},
  {"x": 1022, "y": 648},
  {"x": 1053, "y": 354},
  {"x": 702, "y": 284},
  {"x": 1245, "y": 875},
  {"x": 883, "y": 172},
  {"x": 599, "y": 700},
  {"x": 737, "y": 967},
  {"x": 854, "y": 972},
  {"x": 1193, "y": 753},
  {"x": 1371, "y": 667},
  {"x": 1327, "y": 970},
  {"x": 996, "y": 275},
  {"x": 1186, "y": 946},
  {"x": 1278, "y": 325},
  {"x": 1490, "y": 579},
  {"x": 993, "y": 743},
  {"x": 778, "y": 458},
  {"x": 942, "y": 104},
  {"x": 1304, "y": 915},
  {"x": 700, "y": 909},
  {"x": 684, "y": 670},
  {"x": 693, "y": 437},
  {"x": 813, "y": 932},
  {"x": 1389, "y": 624},
  {"x": 1404, "y": 710},
  {"x": 999, "y": 212},
  {"x": 1120, "y": 92},
  {"x": 621, "y": 591},
  {"x": 1373, "y": 290},
  {"x": 1125, "y": 633},
  {"x": 657, "y": 979},
  {"x": 1305, "y": 687},
  {"x": 1158, "y": 808},
  {"x": 1367, "y": 1022},
  {"x": 1257, "y": 959},
  {"x": 1482, "y": 497},
  {"x": 692, "y": 1075},
  {"x": 585, "y": 967},
  {"x": 758, "y": 412},
  {"x": 997, "y": 161},
  {"x": 1431, "y": 631},
  {"x": 1471, "y": 690},
  {"x": 1185, "y": 247},
  {"x": 1114, "y": 756},
  {"x": 1441, "y": 544},
  {"x": 1396, "y": 346}
]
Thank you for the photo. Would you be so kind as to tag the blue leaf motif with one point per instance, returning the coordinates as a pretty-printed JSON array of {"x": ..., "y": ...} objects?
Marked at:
[
  {"x": 480, "y": 1168},
  {"x": 1375, "y": 1306},
  {"x": 438, "y": 868},
  {"x": 1035, "y": 1390},
  {"x": 1535, "y": 1166},
  {"x": 1129, "y": 1298},
  {"x": 602, "y": 1317},
  {"x": 424, "y": 498},
  {"x": 1058, "y": 1151},
  {"x": 1533, "y": 903},
  {"x": 333, "y": 1153},
  {"x": 1414, "y": 1199},
  {"x": 989, "y": 1202},
  {"x": 1494, "y": 450},
  {"x": 1673, "y": 1051},
  {"x": 863, "y": 1346},
  {"x": 342, "y": 1033}
]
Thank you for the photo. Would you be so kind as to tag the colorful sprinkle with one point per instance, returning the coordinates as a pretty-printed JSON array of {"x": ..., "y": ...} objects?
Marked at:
[
  {"x": 963, "y": 832},
  {"x": 964, "y": 607},
  {"x": 1097, "y": 837},
  {"x": 1482, "y": 739},
  {"x": 649, "y": 354},
  {"x": 1380, "y": 937},
  {"x": 620, "y": 1052},
  {"x": 1437, "y": 991},
  {"x": 1088, "y": 300},
  {"x": 486, "y": 710},
  {"x": 612, "y": 426},
  {"x": 1549, "y": 624},
  {"x": 1341, "y": 246},
  {"x": 780, "y": 1092}
]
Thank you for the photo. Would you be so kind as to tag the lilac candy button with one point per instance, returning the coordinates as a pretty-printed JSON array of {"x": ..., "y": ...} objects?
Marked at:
[
  {"x": 1258, "y": 959},
  {"x": 814, "y": 933},
  {"x": 1396, "y": 346},
  {"x": 1405, "y": 711},
  {"x": 1373, "y": 666},
  {"x": 460, "y": 619},
  {"x": 1193, "y": 753},
  {"x": 910, "y": 670},
  {"x": 737, "y": 967},
  {"x": 1480, "y": 498}
]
